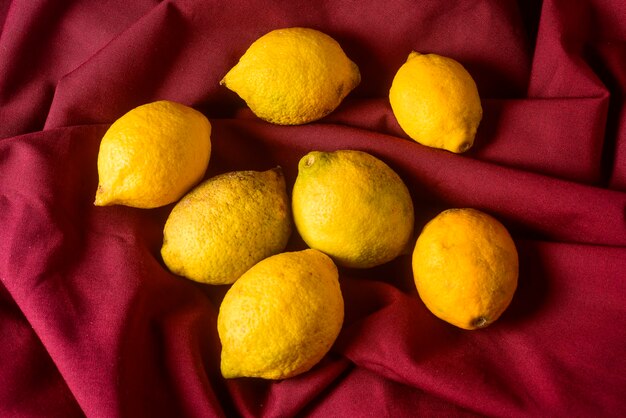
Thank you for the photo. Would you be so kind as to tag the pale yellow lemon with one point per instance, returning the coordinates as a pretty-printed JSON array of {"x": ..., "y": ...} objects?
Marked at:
[
  {"x": 227, "y": 224},
  {"x": 353, "y": 207}
]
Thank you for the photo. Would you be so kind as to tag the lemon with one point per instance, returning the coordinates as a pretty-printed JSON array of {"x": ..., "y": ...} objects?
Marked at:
[
  {"x": 293, "y": 76},
  {"x": 353, "y": 207},
  {"x": 153, "y": 155},
  {"x": 465, "y": 267},
  {"x": 281, "y": 317},
  {"x": 226, "y": 225},
  {"x": 436, "y": 102}
]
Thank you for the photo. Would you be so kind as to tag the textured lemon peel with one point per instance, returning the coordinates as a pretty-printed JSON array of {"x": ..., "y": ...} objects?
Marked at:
[
  {"x": 281, "y": 317},
  {"x": 353, "y": 207},
  {"x": 436, "y": 102},
  {"x": 465, "y": 268},
  {"x": 293, "y": 76},
  {"x": 226, "y": 225},
  {"x": 152, "y": 155}
]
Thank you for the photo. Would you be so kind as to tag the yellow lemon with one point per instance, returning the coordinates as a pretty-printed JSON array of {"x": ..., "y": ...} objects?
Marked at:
[
  {"x": 227, "y": 224},
  {"x": 293, "y": 76},
  {"x": 465, "y": 267},
  {"x": 353, "y": 207},
  {"x": 436, "y": 102},
  {"x": 281, "y": 317},
  {"x": 153, "y": 155}
]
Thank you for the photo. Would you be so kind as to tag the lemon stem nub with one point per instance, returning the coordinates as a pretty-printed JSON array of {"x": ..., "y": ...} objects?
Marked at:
[
  {"x": 479, "y": 322},
  {"x": 465, "y": 146}
]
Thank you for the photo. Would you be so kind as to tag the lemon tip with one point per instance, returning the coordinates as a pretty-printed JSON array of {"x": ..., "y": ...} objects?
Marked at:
[
  {"x": 413, "y": 54},
  {"x": 102, "y": 198}
]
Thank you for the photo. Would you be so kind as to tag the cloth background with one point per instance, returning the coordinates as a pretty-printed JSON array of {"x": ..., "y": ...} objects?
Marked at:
[{"x": 92, "y": 323}]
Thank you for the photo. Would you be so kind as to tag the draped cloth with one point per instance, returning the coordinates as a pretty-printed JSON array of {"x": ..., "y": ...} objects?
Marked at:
[{"x": 93, "y": 324}]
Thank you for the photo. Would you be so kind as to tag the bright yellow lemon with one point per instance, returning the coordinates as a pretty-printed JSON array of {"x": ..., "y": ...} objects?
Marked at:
[
  {"x": 436, "y": 102},
  {"x": 293, "y": 76},
  {"x": 281, "y": 317},
  {"x": 153, "y": 155}
]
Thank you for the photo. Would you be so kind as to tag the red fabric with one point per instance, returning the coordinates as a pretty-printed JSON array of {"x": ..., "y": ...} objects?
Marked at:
[{"x": 92, "y": 323}]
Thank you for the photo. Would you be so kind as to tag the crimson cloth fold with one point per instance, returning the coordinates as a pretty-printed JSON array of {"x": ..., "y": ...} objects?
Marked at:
[{"x": 93, "y": 324}]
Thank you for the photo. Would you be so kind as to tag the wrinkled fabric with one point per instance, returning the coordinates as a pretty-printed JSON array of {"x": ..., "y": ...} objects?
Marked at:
[{"x": 93, "y": 324}]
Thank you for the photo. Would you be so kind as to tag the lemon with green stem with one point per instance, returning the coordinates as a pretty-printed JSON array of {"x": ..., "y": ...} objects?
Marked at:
[{"x": 353, "y": 207}]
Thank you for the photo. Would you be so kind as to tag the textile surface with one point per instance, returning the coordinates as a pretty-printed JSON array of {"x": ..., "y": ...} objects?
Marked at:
[{"x": 93, "y": 324}]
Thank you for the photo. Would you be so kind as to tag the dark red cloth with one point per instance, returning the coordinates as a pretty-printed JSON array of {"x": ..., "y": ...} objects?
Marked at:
[{"x": 92, "y": 323}]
